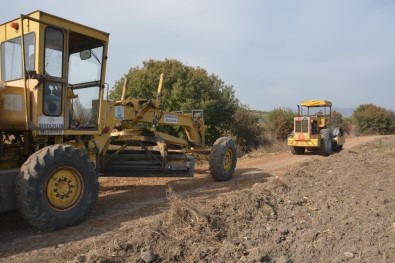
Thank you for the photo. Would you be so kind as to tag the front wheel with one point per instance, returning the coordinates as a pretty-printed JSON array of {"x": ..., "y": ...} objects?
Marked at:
[
  {"x": 223, "y": 159},
  {"x": 57, "y": 187},
  {"x": 298, "y": 150}
]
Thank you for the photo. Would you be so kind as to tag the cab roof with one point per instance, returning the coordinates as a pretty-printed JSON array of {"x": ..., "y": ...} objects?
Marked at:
[
  {"x": 56, "y": 21},
  {"x": 316, "y": 103}
]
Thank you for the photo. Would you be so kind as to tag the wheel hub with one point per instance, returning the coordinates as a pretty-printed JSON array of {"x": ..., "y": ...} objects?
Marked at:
[
  {"x": 64, "y": 188},
  {"x": 228, "y": 160}
]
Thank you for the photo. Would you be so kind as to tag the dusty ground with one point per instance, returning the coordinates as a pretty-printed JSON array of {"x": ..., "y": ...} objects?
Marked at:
[{"x": 277, "y": 208}]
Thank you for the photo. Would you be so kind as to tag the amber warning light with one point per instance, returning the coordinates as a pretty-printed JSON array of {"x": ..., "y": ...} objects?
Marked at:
[{"x": 14, "y": 25}]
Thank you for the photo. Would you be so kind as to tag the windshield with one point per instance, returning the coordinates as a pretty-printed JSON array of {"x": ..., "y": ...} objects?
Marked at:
[
  {"x": 85, "y": 107},
  {"x": 85, "y": 70},
  {"x": 317, "y": 111},
  {"x": 84, "y": 77}
]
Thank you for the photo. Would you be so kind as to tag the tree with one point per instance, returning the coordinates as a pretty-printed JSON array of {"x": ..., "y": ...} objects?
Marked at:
[
  {"x": 339, "y": 121},
  {"x": 392, "y": 117},
  {"x": 246, "y": 129},
  {"x": 372, "y": 119},
  {"x": 280, "y": 122},
  {"x": 185, "y": 88}
]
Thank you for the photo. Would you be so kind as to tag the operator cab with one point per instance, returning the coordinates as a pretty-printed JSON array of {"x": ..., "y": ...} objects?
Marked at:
[
  {"x": 315, "y": 112},
  {"x": 52, "y": 78}
]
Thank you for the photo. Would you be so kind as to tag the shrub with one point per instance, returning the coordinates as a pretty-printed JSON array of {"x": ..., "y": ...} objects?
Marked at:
[
  {"x": 280, "y": 122},
  {"x": 372, "y": 119}
]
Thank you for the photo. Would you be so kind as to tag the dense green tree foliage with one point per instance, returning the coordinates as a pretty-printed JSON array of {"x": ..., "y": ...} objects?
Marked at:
[
  {"x": 185, "y": 88},
  {"x": 372, "y": 119}
]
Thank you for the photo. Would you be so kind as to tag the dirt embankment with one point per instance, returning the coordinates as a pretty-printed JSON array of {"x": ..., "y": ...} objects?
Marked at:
[{"x": 277, "y": 208}]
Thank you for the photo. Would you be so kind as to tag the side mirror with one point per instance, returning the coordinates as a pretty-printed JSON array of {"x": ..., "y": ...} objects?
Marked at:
[{"x": 85, "y": 54}]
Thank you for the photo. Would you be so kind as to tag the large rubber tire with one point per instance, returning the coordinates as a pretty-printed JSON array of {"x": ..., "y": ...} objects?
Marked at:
[
  {"x": 223, "y": 159},
  {"x": 298, "y": 150},
  {"x": 326, "y": 142},
  {"x": 57, "y": 187}
]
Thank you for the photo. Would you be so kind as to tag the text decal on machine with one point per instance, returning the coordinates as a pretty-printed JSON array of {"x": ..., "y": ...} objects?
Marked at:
[
  {"x": 119, "y": 113},
  {"x": 50, "y": 125},
  {"x": 171, "y": 118}
]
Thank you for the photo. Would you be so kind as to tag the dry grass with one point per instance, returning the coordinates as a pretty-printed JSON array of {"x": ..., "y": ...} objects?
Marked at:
[
  {"x": 269, "y": 148},
  {"x": 228, "y": 217},
  {"x": 244, "y": 209},
  {"x": 184, "y": 221}
]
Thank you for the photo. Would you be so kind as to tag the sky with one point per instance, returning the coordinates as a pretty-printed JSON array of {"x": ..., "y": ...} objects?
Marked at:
[{"x": 275, "y": 53}]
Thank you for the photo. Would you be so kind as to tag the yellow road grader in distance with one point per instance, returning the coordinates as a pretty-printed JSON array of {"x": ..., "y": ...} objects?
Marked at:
[
  {"x": 59, "y": 131},
  {"x": 313, "y": 129}
]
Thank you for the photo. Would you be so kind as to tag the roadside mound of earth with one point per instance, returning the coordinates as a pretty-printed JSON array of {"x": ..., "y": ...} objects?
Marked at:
[{"x": 339, "y": 209}]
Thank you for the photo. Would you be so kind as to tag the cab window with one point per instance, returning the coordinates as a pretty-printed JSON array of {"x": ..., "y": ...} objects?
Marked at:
[
  {"x": 84, "y": 77},
  {"x": 11, "y": 57},
  {"x": 53, "y": 62},
  {"x": 53, "y": 67},
  {"x": 52, "y": 98}
]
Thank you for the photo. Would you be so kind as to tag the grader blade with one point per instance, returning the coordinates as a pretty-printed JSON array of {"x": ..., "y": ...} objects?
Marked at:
[{"x": 131, "y": 163}]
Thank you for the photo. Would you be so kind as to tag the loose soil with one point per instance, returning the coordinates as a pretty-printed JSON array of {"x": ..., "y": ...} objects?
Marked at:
[{"x": 277, "y": 208}]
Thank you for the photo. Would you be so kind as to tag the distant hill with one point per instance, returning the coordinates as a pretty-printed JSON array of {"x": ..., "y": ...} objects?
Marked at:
[{"x": 346, "y": 112}]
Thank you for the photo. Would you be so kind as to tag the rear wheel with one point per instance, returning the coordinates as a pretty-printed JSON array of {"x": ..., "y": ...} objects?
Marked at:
[
  {"x": 336, "y": 147},
  {"x": 298, "y": 150},
  {"x": 223, "y": 159},
  {"x": 57, "y": 187},
  {"x": 326, "y": 142}
]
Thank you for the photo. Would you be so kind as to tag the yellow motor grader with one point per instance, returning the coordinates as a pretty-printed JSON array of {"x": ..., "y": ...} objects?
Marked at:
[
  {"x": 60, "y": 132},
  {"x": 313, "y": 129}
]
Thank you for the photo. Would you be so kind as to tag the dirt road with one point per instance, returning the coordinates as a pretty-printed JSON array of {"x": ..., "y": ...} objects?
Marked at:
[{"x": 127, "y": 203}]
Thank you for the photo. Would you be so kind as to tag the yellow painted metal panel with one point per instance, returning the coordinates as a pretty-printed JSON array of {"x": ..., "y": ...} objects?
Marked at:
[
  {"x": 316, "y": 103},
  {"x": 297, "y": 143},
  {"x": 63, "y": 23},
  {"x": 12, "y": 108},
  {"x": 70, "y": 25},
  {"x": 171, "y": 139}
]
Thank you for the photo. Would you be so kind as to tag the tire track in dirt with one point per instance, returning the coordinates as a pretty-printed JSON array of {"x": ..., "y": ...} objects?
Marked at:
[{"x": 125, "y": 201}]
